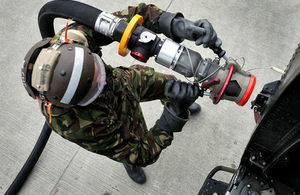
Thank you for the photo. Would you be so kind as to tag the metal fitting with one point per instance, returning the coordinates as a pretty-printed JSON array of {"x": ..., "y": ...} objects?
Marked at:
[
  {"x": 169, "y": 54},
  {"x": 177, "y": 55},
  {"x": 106, "y": 24}
]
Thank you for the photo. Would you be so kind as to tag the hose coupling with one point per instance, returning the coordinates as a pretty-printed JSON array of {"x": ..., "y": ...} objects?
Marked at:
[{"x": 106, "y": 24}]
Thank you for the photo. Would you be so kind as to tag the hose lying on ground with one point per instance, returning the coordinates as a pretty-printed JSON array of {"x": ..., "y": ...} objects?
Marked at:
[
  {"x": 81, "y": 13},
  {"x": 30, "y": 162}
]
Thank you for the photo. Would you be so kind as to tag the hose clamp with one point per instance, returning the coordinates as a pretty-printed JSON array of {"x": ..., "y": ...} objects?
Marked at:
[{"x": 106, "y": 24}]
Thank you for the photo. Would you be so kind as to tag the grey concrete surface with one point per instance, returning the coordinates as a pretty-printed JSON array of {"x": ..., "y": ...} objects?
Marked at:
[{"x": 265, "y": 33}]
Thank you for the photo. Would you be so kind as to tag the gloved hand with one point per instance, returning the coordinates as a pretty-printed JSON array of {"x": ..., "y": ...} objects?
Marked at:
[
  {"x": 175, "y": 114},
  {"x": 181, "y": 96},
  {"x": 200, "y": 31}
]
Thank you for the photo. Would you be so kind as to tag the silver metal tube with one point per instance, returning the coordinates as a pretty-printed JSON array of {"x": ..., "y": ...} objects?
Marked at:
[
  {"x": 225, "y": 58},
  {"x": 168, "y": 53},
  {"x": 106, "y": 24}
]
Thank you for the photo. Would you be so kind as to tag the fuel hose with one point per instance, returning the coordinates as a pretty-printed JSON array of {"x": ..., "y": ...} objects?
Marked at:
[
  {"x": 142, "y": 42},
  {"x": 30, "y": 162},
  {"x": 67, "y": 9},
  {"x": 81, "y": 13}
]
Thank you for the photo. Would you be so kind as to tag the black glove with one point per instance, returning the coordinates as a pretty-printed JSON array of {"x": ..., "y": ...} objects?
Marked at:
[
  {"x": 175, "y": 114},
  {"x": 200, "y": 31},
  {"x": 181, "y": 96}
]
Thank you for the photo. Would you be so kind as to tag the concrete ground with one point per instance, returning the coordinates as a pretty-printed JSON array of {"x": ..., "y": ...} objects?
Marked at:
[{"x": 265, "y": 33}]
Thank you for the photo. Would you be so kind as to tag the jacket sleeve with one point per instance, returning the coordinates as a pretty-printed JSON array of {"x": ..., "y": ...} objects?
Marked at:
[
  {"x": 141, "y": 146},
  {"x": 101, "y": 133},
  {"x": 150, "y": 13},
  {"x": 140, "y": 151}
]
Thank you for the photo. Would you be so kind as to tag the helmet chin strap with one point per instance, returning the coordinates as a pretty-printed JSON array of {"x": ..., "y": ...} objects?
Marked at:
[{"x": 48, "y": 105}]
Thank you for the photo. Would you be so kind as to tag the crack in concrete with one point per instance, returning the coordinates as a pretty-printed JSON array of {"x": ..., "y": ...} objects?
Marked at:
[
  {"x": 169, "y": 5},
  {"x": 63, "y": 173}
]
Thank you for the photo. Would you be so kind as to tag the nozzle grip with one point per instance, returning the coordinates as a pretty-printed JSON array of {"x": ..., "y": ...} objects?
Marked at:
[{"x": 219, "y": 51}]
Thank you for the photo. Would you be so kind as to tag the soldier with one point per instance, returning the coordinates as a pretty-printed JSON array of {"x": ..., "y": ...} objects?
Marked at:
[{"x": 97, "y": 106}]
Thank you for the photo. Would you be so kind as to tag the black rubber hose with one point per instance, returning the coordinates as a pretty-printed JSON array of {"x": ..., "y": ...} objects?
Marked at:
[
  {"x": 81, "y": 13},
  {"x": 67, "y": 9},
  {"x": 30, "y": 162}
]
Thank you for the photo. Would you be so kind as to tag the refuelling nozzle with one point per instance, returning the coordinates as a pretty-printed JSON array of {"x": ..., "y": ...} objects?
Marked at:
[
  {"x": 235, "y": 84},
  {"x": 220, "y": 52}
]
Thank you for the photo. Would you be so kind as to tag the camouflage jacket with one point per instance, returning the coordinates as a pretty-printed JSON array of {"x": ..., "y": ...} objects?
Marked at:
[{"x": 113, "y": 125}]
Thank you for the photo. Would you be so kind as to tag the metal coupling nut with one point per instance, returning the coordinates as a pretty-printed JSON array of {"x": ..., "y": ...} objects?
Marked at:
[
  {"x": 106, "y": 24},
  {"x": 169, "y": 54}
]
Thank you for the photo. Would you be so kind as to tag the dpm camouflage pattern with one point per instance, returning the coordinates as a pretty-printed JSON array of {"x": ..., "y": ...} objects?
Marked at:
[
  {"x": 150, "y": 13},
  {"x": 113, "y": 125}
]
